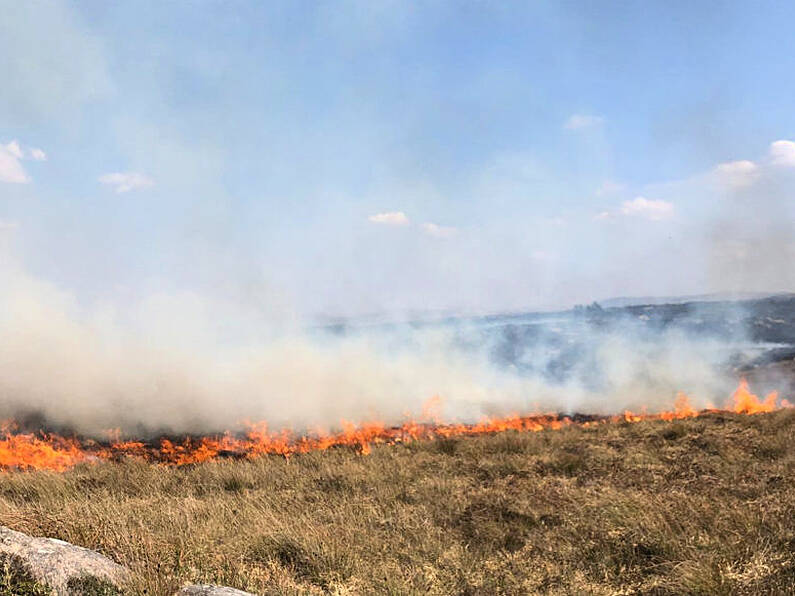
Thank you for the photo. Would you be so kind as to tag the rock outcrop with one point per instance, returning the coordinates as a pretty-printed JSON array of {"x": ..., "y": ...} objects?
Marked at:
[
  {"x": 60, "y": 566},
  {"x": 48, "y": 565}
]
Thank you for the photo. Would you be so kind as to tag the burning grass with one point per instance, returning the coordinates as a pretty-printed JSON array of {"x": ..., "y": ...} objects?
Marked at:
[
  {"x": 48, "y": 451},
  {"x": 700, "y": 505}
]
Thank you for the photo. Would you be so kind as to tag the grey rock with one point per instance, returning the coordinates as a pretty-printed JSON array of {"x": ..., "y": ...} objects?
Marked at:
[
  {"x": 210, "y": 590},
  {"x": 54, "y": 562}
]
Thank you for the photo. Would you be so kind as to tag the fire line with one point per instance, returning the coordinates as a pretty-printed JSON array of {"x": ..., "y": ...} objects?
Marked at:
[{"x": 43, "y": 451}]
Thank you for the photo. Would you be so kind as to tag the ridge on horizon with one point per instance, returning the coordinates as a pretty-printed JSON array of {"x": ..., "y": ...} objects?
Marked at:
[{"x": 415, "y": 316}]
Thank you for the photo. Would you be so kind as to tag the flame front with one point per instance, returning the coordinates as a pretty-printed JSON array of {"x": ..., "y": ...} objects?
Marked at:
[
  {"x": 746, "y": 402},
  {"x": 27, "y": 451}
]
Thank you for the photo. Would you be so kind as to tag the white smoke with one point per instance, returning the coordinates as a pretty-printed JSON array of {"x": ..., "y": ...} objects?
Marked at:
[{"x": 171, "y": 365}]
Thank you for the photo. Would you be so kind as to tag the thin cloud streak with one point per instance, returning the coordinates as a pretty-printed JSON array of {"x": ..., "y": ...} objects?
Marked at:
[
  {"x": 436, "y": 231},
  {"x": 582, "y": 121},
  {"x": 653, "y": 209},
  {"x": 126, "y": 181},
  {"x": 390, "y": 218}
]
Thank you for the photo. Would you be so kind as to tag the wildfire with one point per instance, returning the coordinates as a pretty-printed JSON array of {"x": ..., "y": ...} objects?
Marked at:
[
  {"x": 29, "y": 451},
  {"x": 49, "y": 452},
  {"x": 746, "y": 402}
]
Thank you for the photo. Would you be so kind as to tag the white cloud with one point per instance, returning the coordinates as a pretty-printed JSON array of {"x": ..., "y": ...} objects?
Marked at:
[
  {"x": 782, "y": 153},
  {"x": 439, "y": 231},
  {"x": 582, "y": 121},
  {"x": 126, "y": 181},
  {"x": 7, "y": 224},
  {"x": 14, "y": 149},
  {"x": 737, "y": 174},
  {"x": 648, "y": 208},
  {"x": 11, "y": 155},
  {"x": 11, "y": 169},
  {"x": 37, "y": 155},
  {"x": 390, "y": 218}
]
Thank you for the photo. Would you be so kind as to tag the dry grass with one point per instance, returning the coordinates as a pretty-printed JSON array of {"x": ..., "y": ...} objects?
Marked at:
[{"x": 703, "y": 506}]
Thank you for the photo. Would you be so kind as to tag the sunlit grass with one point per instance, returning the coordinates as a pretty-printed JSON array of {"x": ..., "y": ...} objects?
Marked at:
[{"x": 697, "y": 506}]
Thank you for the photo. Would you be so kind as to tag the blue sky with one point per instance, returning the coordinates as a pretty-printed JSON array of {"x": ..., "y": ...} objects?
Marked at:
[{"x": 358, "y": 157}]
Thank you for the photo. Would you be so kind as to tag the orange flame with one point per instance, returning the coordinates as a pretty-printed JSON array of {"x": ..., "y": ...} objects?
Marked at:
[
  {"x": 746, "y": 402},
  {"x": 682, "y": 409},
  {"x": 27, "y": 451}
]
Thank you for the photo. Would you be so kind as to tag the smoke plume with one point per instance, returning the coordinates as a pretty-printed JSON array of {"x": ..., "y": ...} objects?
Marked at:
[{"x": 171, "y": 364}]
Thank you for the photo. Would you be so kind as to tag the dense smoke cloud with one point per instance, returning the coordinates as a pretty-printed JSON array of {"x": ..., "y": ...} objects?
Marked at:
[{"x": 172, "y": 365}]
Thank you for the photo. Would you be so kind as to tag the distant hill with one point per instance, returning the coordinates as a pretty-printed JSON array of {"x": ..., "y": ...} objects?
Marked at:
[
  {"x": 422, "y": 317},
  {"x": 623, "y": 301}
]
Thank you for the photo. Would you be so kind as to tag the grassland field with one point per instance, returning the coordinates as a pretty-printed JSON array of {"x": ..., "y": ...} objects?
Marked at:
[{"x": 697, "y": 506}]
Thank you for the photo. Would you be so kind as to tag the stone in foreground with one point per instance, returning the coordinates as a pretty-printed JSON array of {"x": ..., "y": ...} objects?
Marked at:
[
  {"x": 58, "y": 564},
  {"x": 210, "y": 590}
]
